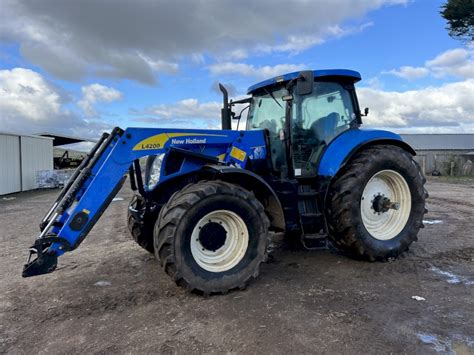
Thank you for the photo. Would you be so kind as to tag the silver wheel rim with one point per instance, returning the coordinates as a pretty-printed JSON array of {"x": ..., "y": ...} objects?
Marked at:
[
  {"x": 385, "y": 225},
  {"x": 233, "y": 249}
]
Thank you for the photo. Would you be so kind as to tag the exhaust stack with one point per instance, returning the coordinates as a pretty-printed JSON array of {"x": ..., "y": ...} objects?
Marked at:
[{"x": 226, "y": 112}]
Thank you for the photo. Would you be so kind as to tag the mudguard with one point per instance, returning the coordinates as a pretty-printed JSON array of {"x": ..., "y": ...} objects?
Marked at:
[
  {"x": 255, "y": 183},
  {"x": 343, "y": 147}
]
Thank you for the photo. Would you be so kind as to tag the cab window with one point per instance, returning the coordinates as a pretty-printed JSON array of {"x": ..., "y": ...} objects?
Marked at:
[
  {"x": 267, "y": 111},
  {"x": 326, "y": 112},
  {"x": 317, "y": 119}
]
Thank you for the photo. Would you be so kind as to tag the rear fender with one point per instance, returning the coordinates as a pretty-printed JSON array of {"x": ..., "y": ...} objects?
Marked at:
[{"x": 343, "y": 148}]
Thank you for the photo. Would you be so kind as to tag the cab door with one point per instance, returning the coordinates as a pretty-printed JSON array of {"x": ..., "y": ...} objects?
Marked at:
[
  {"x": 317, "y": 119},
  {"x": 267, "y": 112}
]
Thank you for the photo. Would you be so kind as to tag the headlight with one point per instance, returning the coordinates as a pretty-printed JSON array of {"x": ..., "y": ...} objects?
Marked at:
[{"x": 154, "y": 171}]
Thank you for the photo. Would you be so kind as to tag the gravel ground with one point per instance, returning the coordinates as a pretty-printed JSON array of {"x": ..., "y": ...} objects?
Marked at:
[{"x": 110, "y": 296}]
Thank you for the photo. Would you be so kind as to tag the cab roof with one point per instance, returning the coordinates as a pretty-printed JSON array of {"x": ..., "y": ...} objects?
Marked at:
[{"x": 352, "y": 75}]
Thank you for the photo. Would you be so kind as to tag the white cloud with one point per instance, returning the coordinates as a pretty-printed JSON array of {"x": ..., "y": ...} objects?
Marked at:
[
  {"x": 95, "y": 93},
  {"x": 78, "y": 39},
  {"x": 449, "y": 58},
  {"x": 198, "y": 58},
  {"x": 300, "y": 42},
  {"x": 266, "y": 71},
  {"x": 160, "y": 65},
  {"x": 188, "y": 113},
  {"x": 409, "y": 73},
  {"x": 374, "y": 83},
  {"x": 458, "y": 62},
  {"x": 445, "y": 108},
  {"x": 238, "y": 54},
  {"x": 188, "y": 108},
  {"x": 294, "y": 44},
  {"x": 31, "y": 104},
  {"x": 25, "y": 93}
]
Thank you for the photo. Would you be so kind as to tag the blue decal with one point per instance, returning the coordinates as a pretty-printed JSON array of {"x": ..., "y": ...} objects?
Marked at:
[{"x": 258, "y": 152}]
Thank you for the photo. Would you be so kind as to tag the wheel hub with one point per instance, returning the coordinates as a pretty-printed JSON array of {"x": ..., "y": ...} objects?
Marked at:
[
  {"x": 382, "y": 204},
  {"x": 219, "y": 241},
  {"x": 212, "y": 236},
  {"x": 382, "y": 217}
]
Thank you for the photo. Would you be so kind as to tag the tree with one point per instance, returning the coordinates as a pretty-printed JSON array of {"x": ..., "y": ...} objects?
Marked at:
[{"x": 460, "y": 17}]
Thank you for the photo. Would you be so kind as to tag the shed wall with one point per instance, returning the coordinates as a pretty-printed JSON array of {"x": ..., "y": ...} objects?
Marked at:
[
  {"x": 36, "y": 154},
  {"x": 10, "y": 173},
  {"x": 441, "y": 161}
]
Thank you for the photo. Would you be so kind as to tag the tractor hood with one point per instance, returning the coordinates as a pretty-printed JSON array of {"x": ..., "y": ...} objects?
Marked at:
[{"x": 350, "y": 75}]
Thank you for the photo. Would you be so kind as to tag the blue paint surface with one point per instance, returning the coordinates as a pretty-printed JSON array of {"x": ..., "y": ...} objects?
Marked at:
[
  {"x": 120, "y": 154},
  {"x": 339, "y": 149},
  {"x": 355, "y": 76}
]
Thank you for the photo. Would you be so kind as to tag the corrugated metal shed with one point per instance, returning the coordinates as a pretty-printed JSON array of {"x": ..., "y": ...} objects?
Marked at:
[
  {"x": 20, "y": 157},
  {"x": 463, "y": 141},
  {"x": 36, "y": 154},
  {"x": 10, "y": 166}
]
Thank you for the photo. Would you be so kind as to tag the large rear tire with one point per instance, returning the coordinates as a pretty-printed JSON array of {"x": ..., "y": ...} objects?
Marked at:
[
  {"x": 376, "y": 203},
  {"x": 212, "y": 237}
]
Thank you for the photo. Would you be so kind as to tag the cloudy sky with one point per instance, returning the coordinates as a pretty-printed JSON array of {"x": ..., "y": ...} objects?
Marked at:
[{"x": 81, "y": 67}]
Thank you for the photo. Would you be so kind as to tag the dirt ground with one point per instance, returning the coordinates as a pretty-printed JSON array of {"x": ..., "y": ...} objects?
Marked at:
[{"x": 110, "y": 296}]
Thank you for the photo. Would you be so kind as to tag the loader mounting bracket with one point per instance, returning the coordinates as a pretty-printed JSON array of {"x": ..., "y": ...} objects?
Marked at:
[
  {"x": 45, "y": 261},
  {"x": 43, "y": 264}
]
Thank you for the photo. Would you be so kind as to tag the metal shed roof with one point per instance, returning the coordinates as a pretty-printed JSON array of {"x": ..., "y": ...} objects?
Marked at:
[
  {"x": 61, "y": 139},
  {"x": 24, "y": 135},
  {"x": 442, "y": 141}
]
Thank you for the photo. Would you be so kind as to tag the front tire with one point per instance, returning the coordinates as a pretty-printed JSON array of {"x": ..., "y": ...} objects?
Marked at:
[
  {"x": 141, "y": 231},
  {"x": 212, "y": 237},
  {"x": 376, "y": 203}
]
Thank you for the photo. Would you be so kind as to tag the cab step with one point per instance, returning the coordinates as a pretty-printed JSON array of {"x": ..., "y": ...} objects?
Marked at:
[{"x": 315, "y": 241}]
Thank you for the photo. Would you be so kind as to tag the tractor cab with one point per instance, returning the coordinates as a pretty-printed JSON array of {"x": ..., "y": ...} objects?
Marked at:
[{"x": 302, "y": 113}]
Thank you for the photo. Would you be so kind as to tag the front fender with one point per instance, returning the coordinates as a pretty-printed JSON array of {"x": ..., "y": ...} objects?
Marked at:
[
  {"x": 341, "y": 149},
  {"x": 252, "y": 182}
]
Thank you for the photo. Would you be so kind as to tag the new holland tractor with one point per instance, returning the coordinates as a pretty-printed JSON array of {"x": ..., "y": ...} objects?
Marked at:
[{"x": 207, "y": 201}]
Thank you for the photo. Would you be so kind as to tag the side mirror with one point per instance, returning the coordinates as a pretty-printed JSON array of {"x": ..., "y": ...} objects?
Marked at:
[
  {"x": 239, "y": 116},
  {"x": 366, "y": 111},
  {"x": 305, "y": 81}
]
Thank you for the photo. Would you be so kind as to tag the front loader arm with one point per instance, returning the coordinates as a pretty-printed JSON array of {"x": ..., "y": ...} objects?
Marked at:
[{"x": 100, "y": 176}]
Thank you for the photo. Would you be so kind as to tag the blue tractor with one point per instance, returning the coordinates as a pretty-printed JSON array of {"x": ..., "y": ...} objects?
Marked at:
[{"x": 207, "y": 201}]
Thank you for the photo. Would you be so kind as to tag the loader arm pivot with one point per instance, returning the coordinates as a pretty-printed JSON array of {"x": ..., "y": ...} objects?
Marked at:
[{"x": 100, "y": 176}]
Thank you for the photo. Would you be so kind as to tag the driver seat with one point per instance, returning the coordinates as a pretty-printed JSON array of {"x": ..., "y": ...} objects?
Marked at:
[{"x": 325, "y": 127}]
